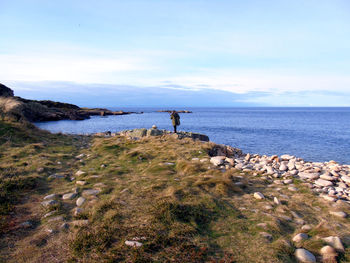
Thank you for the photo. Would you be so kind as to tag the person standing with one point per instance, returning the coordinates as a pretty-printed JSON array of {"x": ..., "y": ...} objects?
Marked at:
[{"x": 175, "y": 117}]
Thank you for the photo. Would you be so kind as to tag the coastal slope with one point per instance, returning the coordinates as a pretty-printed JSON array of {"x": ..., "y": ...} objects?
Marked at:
[{"x": 161, "y": 198}]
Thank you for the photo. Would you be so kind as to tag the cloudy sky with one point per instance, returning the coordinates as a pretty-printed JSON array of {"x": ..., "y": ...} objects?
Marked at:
[{"x": 180, "y": 52}]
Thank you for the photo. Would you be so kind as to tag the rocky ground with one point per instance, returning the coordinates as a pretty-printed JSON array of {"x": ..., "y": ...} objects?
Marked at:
[{"x": 152, "y": 196}]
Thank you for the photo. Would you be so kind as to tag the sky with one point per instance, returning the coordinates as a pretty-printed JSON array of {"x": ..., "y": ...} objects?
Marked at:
[{"x": 177, "y": 52}]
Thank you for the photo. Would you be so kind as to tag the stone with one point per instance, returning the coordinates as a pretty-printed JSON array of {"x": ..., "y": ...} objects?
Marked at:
[
  {"x": 55, "y": 219},
  {"x": 287, "y": 157},
  {"x": 305, "y": 256},
  {"x": 293, "y": 189},
  {"x": 324, "y": 183},
  {"x": 338, "y": 214},
  {"x": 300, "y": 237},
  {"x": 312, "y": 176},
  {"x": 283, "y": 167},
  {"x": 306, "y": 228},
  {"x": 335, "y": 242},
  {"x": 81, "y": 182},
  {"x": 247, "y": 157},
  {"x": 291, "y": 166},
  {"x": 346, "y": 179},
  {"x": 231, "y": 161},
  {"x": 79, "y": 173},
  {"x": 217, "y": 160},
  {"x": 51, "y": 196},
  {"x": 80, "y": 201},
  {"x": 91, "y": 192},
  {"x": 328, "y": 254},
  {"x": 69, "y": 196},
  {"x": 49, "y": 203},
  {"x": 49, "y": 214},
  {"x": 288, "y": 181},
  {"x": 276, "y": 201},
  {"x": 133, "y": 243},
  {"x": 154, "y": 126},
  {"x": 259, "y": 196},
  {"x": 327, "y": 177},
  {"x": 268, "y": 207}
]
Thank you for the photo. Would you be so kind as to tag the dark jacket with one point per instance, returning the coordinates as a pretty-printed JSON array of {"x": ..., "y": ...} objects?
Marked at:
[{"x": 175, "y": 117}]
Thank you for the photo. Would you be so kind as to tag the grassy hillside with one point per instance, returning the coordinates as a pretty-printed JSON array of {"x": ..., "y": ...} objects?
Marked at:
[{"x": 157, "y": 199}]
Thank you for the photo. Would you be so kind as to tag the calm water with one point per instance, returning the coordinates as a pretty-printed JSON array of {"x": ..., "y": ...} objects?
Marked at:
[{"x": 315, "y": 134}]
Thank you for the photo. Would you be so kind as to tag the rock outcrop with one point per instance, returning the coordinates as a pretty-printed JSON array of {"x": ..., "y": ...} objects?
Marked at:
[
  {"x": 5, "y": 91},
  {"x": 19, "y": 109},
  {"x": 139, "y": 133}
]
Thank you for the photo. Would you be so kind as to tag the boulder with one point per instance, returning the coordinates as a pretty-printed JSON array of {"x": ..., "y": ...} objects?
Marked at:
[
  {"x": 217, "y": 160},
  {"x": 340, "y": 214},
  {"x": 305, "y": 256},
  {"x": 335, "y": 242},
  {"x": 300, "y": 237},
  {"x": 323, "y": 183},
  {"x": 69, "y": 196},
  {"x": 259, "y": 196},
  {"x": 312, "y": 176},
  {"x": 346, "y": 179},
  {"x": 80, "y": 201}
]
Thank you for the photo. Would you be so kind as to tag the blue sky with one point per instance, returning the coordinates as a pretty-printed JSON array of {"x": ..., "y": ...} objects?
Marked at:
[{"x": 259, "y": 53}]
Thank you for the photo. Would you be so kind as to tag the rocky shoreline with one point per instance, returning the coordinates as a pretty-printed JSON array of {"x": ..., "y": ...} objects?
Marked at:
[{"x": 329, "y": 179}]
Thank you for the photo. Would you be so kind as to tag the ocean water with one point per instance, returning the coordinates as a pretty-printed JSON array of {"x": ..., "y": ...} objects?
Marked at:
[{"x": 314, "y": 134}]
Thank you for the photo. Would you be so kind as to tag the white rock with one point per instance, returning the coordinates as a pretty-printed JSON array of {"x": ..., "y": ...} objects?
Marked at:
[
  {"x": 304, "y": 256},
  {"x": 133, "y": 243},
  {"x": 51, "y": 196},
  {"x": 288, "y": 181},
  {"x": 300, "y": 237},
  {"x": 91, "y": 192},
  {"x": 291, "y": 165},
  {"x": 80, "y": 201},
  {"x": 78, "y": 173},
  {"x": 69, "y": 196},
  {"x": 335, "y": 242},
  {"x": 217, "y": 160},
  {"x": 276, "y": 201},
  {"x": 49, "y": 203},
  {"x": 80, "y": 182},
  {"x": 306, "y": 228},
  {"x": 312, "y": 176},
  {"x": 283, "y": 167},
  {"x": 287, "y": 157},
  {"x": 327, "y": 177},
  {"x": 338, "y": 214},
  {"x": 324, "y": 183},
  {"x": 346, "y": 179},
  {"x": 259, "y": 196},
  {"x": 293, "y": 189}
]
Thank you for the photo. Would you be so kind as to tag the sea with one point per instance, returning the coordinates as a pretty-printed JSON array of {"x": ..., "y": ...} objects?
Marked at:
[{"x": 314, "y": 134}]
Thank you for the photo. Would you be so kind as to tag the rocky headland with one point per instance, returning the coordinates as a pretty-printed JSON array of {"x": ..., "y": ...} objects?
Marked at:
[{"x": 19, "y": 109}]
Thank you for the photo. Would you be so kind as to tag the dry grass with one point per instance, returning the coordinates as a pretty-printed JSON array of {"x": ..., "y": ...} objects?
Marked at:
[{"x": 182, "y": 210}]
